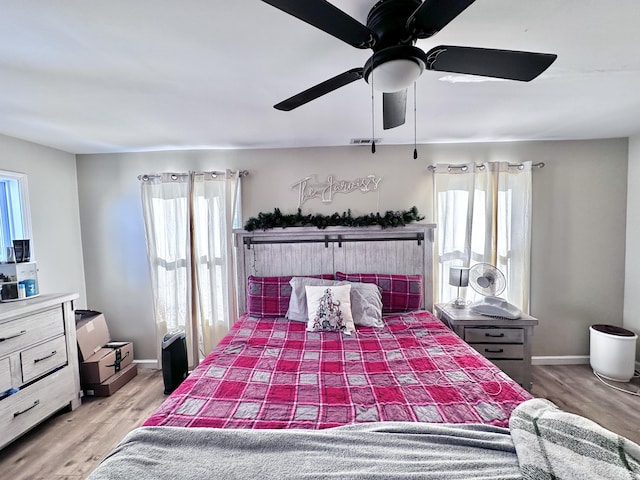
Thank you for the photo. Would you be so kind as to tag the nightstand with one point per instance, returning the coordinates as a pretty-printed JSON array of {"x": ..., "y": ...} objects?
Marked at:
[{"x": 507, "y": 343}]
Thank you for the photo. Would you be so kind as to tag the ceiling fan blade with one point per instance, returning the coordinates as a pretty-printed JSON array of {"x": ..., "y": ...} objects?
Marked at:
[
  {"x": 320, "y": 89},
  {"x": 328, "y": 18},
  {"x": 509, "y": 64},
  {"x": 433, "y": 15},
  {"x": 394, "y": 109}
]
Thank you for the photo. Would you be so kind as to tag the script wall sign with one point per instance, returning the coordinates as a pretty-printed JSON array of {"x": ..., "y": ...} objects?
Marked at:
[{"x": 325, "y": 191}]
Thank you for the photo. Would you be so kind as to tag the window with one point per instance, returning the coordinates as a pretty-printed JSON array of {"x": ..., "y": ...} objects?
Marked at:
[
  {"x": 484, "y": 216},
  {"x": 188, "y": 225},
  {"x": 15, "y": 222}
]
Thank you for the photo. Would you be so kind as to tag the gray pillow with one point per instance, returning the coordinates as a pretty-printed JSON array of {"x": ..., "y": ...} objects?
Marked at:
[
  {"x": 366, "y": 304},
  {"x": 366, "y": 300}
]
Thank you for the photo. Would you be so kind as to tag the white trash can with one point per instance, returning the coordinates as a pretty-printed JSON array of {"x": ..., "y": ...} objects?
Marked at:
[{"x": 612, "y": 352}]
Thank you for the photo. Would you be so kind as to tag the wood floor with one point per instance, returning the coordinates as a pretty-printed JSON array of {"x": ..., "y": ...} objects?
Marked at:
[
  {"x": 71, "y": 444},
  {"x": 575, "y": 389}
]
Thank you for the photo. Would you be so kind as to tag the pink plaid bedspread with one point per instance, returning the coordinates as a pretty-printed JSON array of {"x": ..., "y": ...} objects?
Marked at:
[{"x": 271, "y": 373}]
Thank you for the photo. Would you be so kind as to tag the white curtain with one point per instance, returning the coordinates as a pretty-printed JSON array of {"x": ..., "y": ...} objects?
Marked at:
[
  {"x": 188, "y": 224},
  {"x": 483, "y": 214},
  {"x": 215, "y": 207}
]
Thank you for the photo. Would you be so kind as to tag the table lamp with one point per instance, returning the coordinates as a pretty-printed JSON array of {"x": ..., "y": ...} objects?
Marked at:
[{"x": 459, "y": 277}]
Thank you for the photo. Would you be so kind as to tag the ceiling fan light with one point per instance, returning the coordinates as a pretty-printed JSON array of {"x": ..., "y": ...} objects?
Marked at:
[{"x": 396, "y": 75}]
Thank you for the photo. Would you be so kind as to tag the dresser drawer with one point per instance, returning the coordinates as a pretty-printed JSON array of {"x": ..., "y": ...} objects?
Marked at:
[
  {"x": 493, "y": 335},
  {"x": 5, "y": 375},
  {"x": 24, "y": 332},
  {"x": 494, "y": 350},
  {"x": 43, "y": 358},
  {"x": 28, "y": 407}
]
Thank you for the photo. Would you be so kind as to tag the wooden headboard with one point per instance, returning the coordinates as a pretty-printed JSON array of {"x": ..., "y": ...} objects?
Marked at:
[{"x": 308, "y": 250}]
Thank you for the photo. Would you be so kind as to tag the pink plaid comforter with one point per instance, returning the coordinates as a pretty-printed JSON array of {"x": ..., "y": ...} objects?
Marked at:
[{"x": 271, "y": 373}]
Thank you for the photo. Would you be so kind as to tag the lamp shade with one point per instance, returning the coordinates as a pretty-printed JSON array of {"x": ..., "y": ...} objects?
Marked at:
[
  {"x": 396, "y": 75},
  {"x": 459, "y": 276},
  {"x": 394, "y": 68}
]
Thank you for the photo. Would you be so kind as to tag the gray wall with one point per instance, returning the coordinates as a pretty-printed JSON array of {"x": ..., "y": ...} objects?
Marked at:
[
  {"x": 579, "y": 223},
  {"x": 55, "y": 217},
  {"x": 578, "y": 226},
  {"x": 632, "y": 277}
]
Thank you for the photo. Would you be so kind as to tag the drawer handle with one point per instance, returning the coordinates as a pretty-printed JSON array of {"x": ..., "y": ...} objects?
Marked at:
[
  {"x": 489, "y": 350},
  {"x": 493, "y": 335},
  {"x": 44, "y": 358},
  {"x": 35, "y": 404},
  {"x": 23, "y": 332}
]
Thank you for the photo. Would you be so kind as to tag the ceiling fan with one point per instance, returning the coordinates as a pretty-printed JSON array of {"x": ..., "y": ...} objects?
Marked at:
[{"x": 392, "y": 28}]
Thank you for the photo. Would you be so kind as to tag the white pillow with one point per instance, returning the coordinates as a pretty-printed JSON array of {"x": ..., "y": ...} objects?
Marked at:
[
  {"x": 329, "y": 308},
  {"x": 298, "y": 300}
]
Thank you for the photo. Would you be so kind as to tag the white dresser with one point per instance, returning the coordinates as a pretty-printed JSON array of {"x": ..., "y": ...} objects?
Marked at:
[{"x": 38, "y": 356}]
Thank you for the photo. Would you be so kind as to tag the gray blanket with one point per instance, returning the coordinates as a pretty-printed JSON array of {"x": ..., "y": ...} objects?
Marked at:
[
  {"x": 542, "y": 443},
  {"x": 552, "y": 444},
  {"x": 390, "y": 450}
]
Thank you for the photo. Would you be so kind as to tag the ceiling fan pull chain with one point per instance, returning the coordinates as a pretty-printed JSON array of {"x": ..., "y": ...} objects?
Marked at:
[
  {"x": 415, "y": 124},
  {"x": 373, "y": 125}
]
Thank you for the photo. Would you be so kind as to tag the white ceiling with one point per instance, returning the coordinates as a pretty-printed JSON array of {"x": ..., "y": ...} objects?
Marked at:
[{"x": 136, "y": 75}]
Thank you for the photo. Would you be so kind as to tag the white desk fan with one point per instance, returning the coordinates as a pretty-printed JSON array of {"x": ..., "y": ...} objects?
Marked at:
[{"x": 488, "y": 281}]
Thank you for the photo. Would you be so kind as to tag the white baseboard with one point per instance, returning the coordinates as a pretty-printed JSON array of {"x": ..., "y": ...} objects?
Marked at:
[
  {"x": 560, "y": 360},
  {"x": 147, "y": 363},
  {"x": 566, "y": 360}
]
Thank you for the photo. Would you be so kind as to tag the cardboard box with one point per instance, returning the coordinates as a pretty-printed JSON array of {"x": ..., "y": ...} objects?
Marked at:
[
  {"x": 92, "y": 333},
  {"x": 113, "y": 383},
  {"x": 106, "y": 362},
  {"x": 102, "y": 361}
]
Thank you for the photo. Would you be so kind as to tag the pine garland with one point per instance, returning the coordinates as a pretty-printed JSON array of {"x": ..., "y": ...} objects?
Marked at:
[{"x": 266, "y": 221}]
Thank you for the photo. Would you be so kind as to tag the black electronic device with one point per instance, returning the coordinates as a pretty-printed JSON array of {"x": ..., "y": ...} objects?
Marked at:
[{"x": 174, "y": 360}]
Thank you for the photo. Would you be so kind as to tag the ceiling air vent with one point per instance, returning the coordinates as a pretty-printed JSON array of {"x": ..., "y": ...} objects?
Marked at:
[{"x": 364, "y": 141}]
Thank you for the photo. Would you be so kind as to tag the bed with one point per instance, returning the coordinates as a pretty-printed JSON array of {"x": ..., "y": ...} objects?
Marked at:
[
  {"x": 270, "y": 373},
  {"x": 395, "y": 395}
]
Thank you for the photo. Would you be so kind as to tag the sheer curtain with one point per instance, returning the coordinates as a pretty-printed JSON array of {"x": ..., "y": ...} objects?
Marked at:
[
  {"x": 165, "y": 208},
  {"x": 215, "y": 208},
  {"x": 483, "y": 213},
  {"x": 188, "y": 224}
]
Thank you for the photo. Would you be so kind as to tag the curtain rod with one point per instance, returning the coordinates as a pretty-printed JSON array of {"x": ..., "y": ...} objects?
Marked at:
[
  {"x": 464, "y": 168},
  {"x": 175, "y": 176}
]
